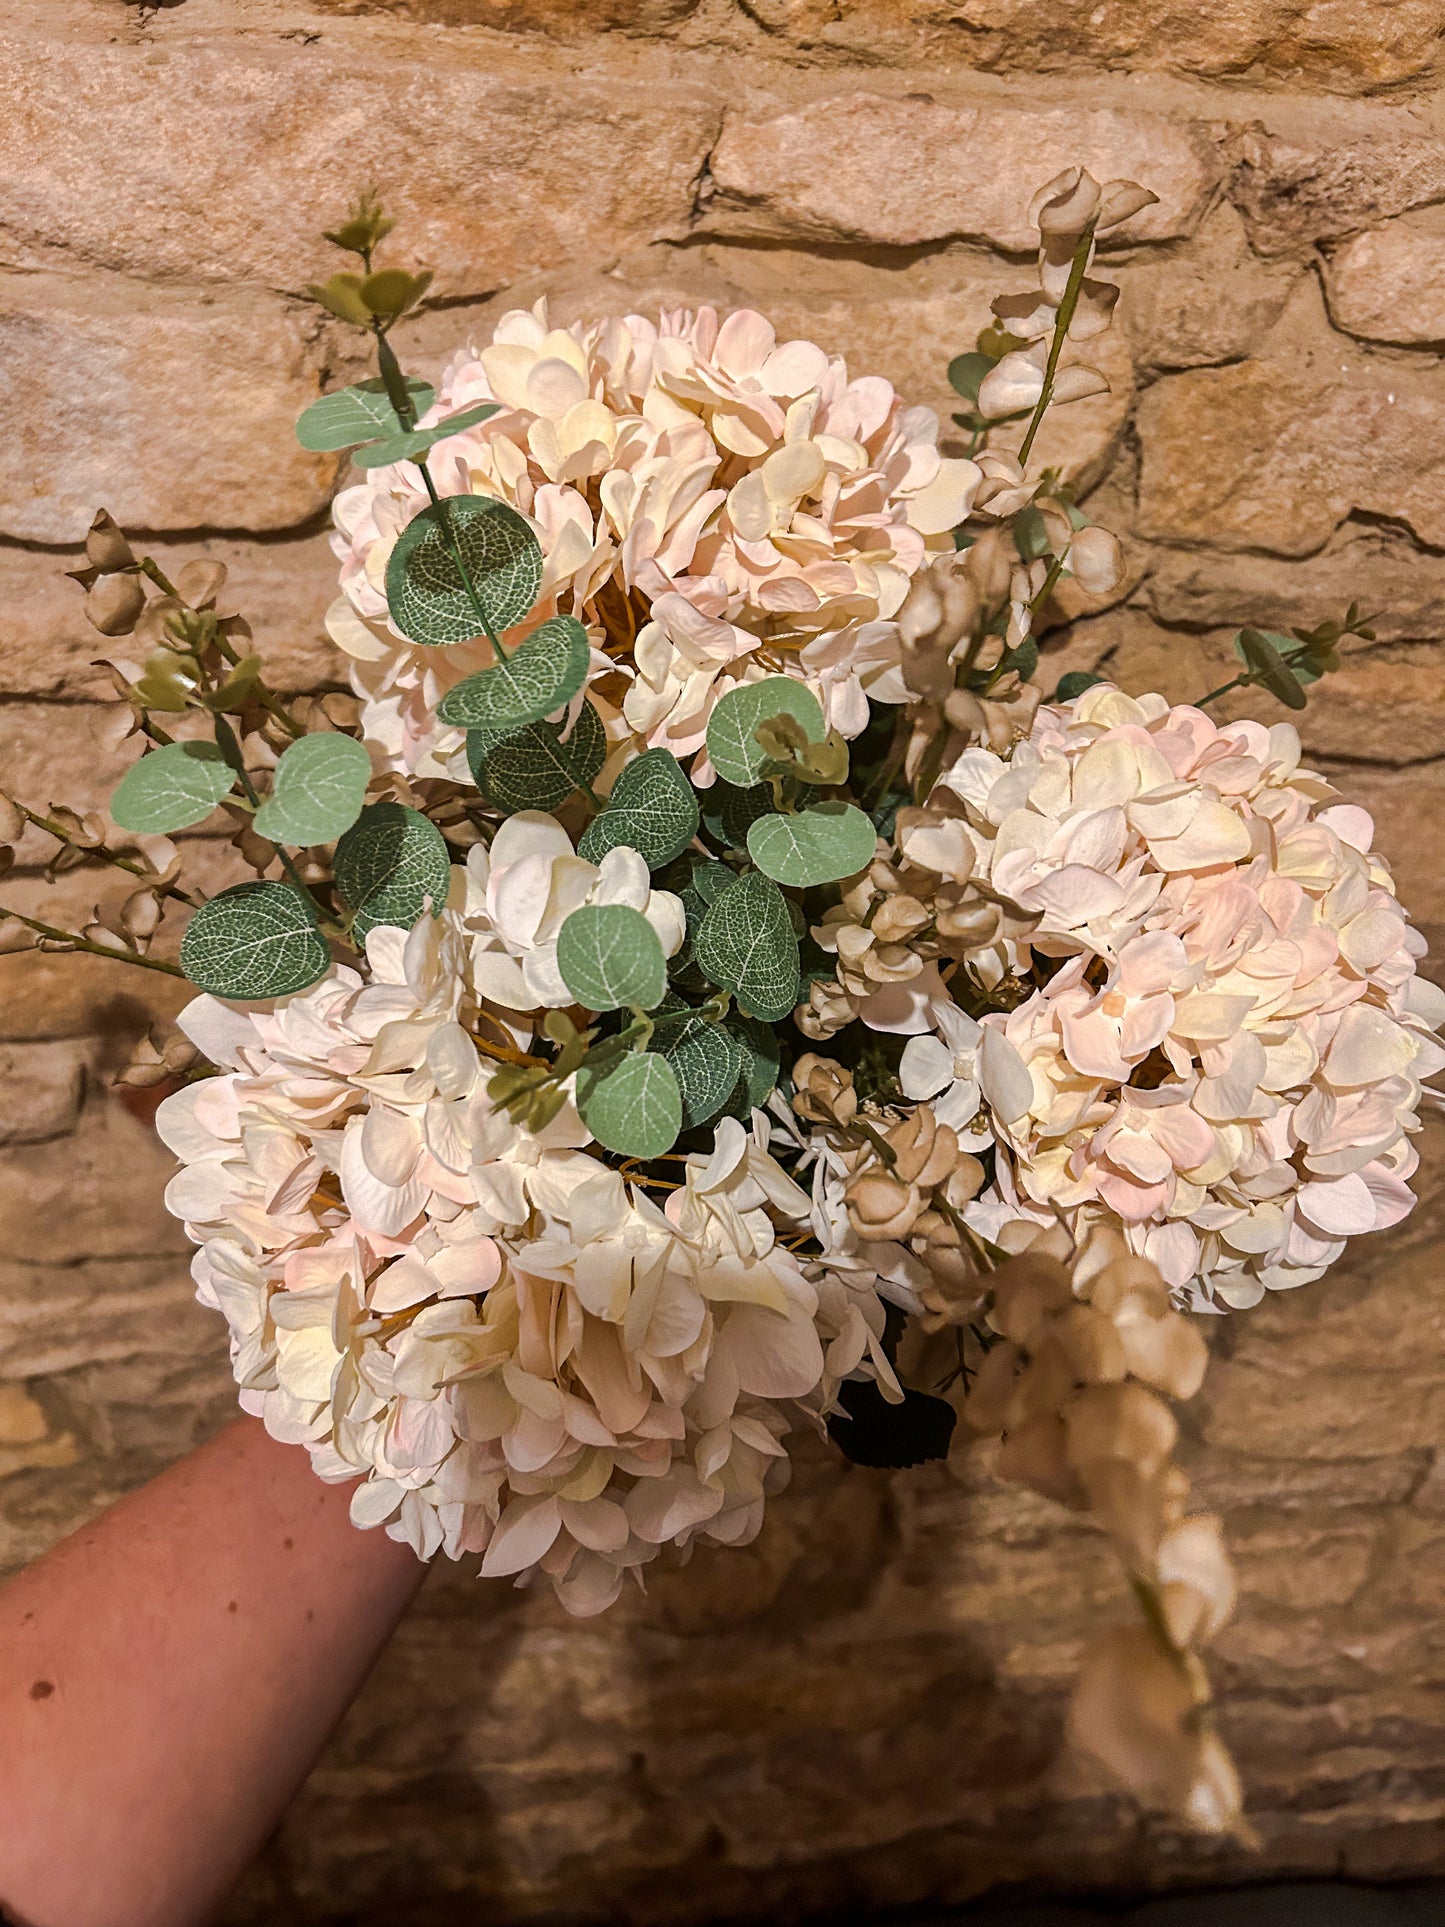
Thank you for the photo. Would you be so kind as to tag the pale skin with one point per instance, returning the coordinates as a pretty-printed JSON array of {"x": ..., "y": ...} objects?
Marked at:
[{"x": 168, "y": 1676}]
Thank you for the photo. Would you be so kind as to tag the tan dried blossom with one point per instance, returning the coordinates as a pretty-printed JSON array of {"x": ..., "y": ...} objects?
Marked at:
[
  {"x": 823, "y": 1091},
  {"x": 1073, "y": 1392}
]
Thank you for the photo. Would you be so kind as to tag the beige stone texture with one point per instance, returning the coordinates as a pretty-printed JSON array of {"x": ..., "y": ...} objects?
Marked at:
[
  {"x": 1388, "y": 283},
  {"x": 860, "y": 166},
  {"x": 863, "y": 1709},
  {"x": 1275, "y": 452},
  {"x": 202, "y": 394}
]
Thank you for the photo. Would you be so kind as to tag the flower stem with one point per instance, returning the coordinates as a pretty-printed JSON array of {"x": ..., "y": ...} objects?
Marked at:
[
  {"x": 1078, "y": 267},
  {"x": 52, "y": 828},
  {"x": 73, "y": 942}
]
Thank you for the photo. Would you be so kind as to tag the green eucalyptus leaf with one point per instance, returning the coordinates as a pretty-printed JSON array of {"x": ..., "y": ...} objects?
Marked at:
[
  {"x": 966, "y": 373},
  {"x": 1031, "y": 534},
  {"x": 610, "y": 956},
  {"x": 706, "y": 1059},
  {"x": 256, "y": 941},
  {"x": 407, "y": 445},
  {"x": 532, "y": 768},
  {"x": 732, "y": 745},
  {"x": 542, "y": 674},
  {"x": 426, "y": 590},
  {"x": 652, "y": 809},
  {"x": 746, "y": 944},
  {"x": 388, "y": 864},
  {"x": 704, "y": 881},
  {"x": 358, "y": 414},
  {"x": 1023, "y": 660},
  {"x": 171, "y": 788},
  {"x": 729, "y": 813},
  {"x": 1074, "y": 684},
  {"x": 823, "y": 844},
  {"x": 634, "y": 1109},
  {"x": 317, "y": 792},
  {"x": 761, "y": 1054},
  {"x": 1268, "y": 668}
]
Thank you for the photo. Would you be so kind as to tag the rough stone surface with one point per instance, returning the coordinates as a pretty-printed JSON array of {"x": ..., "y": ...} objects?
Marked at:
[
  {"x": 1389, "y": 283},
  {"x": 1276, "y": 451},
  {"x": 201, "y": 396},
  {"x": 862, "y": 1710},
  {"x": 482, "y": 157},
  {"x": 48, "y": 649},
  {"x": 858, "y": 166},
  {"x": 1331, "y": 45}
]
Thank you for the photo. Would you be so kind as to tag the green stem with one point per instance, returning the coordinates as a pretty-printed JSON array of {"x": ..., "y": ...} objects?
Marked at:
[
  {"x": 449, "y": 535},
  {"x": 73, "y": 942},
  {"x": 152, "y": 568},
  {"x": 1078, "y": 267},
  {"x": 54, "y": 829},
  {"x": 1050, "y": 582},
  {"x": 231, "y": 750},
  {"x": 1240, "y": 682}
]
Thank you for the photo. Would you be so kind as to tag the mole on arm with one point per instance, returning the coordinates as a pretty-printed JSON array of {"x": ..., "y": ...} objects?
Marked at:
[{"x": 42, "y": 1689}]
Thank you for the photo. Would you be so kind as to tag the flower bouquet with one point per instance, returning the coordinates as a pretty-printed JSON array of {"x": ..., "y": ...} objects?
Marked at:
[{"x": 694, "y": 985}]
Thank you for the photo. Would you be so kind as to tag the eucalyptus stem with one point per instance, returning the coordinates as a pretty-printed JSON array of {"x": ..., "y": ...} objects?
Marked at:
[
  {"x": 52, "y": 828},
  {"x": 231, "y": 750},
  {"x": 73, "y": 942},
  {"x": 1078, "y": 267},
  {"x": 1224, "y": 689}
]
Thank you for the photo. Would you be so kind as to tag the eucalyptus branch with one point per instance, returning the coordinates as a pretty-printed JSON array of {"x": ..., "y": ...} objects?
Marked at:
[
  {"x": 267, "y": 698},
  {"x": 229, "y": 747},
  {"x": 1078, "y": 267},
  {"x": 68, "y": 940}
]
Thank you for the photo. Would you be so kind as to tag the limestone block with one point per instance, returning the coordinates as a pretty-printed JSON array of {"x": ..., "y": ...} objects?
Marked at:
[
  {"x": 52, "y": 995},
  {"x": 47, "y": 648},
  {"x": 1313, "y": 173},
  {"x": 496, "y": 164},
  {"x": 96, "y": 1194},
  {"x": 1273, "y": 453},
  {"x": 1213, "y": 300},
  {"x": 41, "y": 1086},
  {"x": 27, "y": 1443},
  {"x": 1400, "y": 584},
  {"x": 1389, "y": 283},
  {"x": 1334, "y": 45},
  {"x": 864, "y": 167},
  {"x": 170, "y": 410},
  {"x": 571, "y": 17}
]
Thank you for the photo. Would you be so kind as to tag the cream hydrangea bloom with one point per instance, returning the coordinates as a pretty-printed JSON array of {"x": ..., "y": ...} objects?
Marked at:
[
  {"x": 1228, "y": 1051},
  {"x": 714, "y": 504},
  {"x": 522, "y": 1355}
]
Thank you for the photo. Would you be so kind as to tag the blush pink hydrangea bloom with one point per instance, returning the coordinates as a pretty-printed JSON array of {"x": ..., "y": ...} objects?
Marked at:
[
  {"x": 522, "y": 1355},
  {"x": 1227, "y": 1049},
  {"x": 713, "y": 503}
]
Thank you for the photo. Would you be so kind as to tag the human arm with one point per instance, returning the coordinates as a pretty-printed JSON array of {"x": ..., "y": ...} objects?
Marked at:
[{"x": 168, "y": 1676}]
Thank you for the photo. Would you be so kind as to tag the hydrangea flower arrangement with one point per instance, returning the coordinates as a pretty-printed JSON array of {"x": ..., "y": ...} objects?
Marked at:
[{"x": 696, "y": 986}]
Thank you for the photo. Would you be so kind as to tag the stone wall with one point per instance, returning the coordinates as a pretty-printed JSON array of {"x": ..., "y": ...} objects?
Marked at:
[{"x": 864, "y": 1708}]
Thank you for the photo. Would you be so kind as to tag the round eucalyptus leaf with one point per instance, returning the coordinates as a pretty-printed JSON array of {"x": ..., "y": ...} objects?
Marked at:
[
  {"x": 541, "y": 675},
  {"x": 408, "y": 444},
  {"x": 732, "y": 745},
  {"x": 1074, "y": 684},
  {"x": 610, "y": 956},
  {"x": 171, "y": 788},
  {"x": 317, "y": 792},
  {"x": 634, "y": 1110},
  {"x": 533, "y": 768},
  {"x": 761, "y": 1055},
  {"x": 1269, "y": 668},
  {"x": 256, "y": 941},
  {"x": 389, "y": 865},
  {"x": 652, "y": 809},
  {"x": 357, "y": 414},
  {"x": 706, "y": 1060},
  {"x": 818, "y": 845},
  {"x": 426, "y": 589},
  {"x": 746, "y": 944}
]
